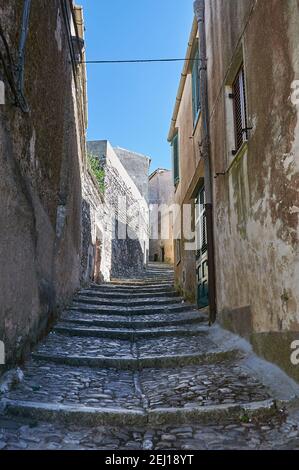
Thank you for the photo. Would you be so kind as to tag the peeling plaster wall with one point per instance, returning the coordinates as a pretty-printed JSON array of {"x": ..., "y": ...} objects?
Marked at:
[
  {"x": 256, "y": 202},
  {"x": 40, "y": 187}
]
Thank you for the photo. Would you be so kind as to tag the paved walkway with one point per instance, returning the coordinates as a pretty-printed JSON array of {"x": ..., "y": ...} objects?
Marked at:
[{"x": 130, "y": 365}]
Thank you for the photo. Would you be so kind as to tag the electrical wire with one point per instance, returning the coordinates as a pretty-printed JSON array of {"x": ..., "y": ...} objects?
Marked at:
[{"x": 136, "y": 61}]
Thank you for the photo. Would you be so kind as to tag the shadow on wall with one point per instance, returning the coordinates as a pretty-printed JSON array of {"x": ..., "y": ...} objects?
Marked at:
[
  {"x": 91, "y": 249},
  {"x": 128, "y": 255},
  {"x": 86, "y": 273}
]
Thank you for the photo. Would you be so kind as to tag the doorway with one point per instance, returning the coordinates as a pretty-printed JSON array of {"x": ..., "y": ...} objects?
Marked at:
[{"x": 202, "y": 274}]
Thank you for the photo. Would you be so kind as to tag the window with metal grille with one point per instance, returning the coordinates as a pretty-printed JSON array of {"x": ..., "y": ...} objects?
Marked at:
[
  {"x": 201, "y": 224},
  {"x": 240, "y": 110},
  {"x": 175, "y": 159},
  {"x": 178, "y": 251}
]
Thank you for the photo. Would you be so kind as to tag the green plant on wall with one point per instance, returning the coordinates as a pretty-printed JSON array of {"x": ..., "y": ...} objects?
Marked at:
[{"x": 97, "y": 171}]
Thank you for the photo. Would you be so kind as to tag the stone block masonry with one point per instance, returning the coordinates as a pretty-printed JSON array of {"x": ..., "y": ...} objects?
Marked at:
[
  {"x": 137, "y": 166},
  {"x": 129, "y": 230}
]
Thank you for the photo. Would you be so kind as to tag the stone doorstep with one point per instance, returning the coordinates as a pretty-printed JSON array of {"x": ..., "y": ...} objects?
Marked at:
[
  {"x": 139, "y": 417},
  {"x": 131, "y": 363},
  {"x": 130, "y": 334},
  {"x": 136, "y": 324}
]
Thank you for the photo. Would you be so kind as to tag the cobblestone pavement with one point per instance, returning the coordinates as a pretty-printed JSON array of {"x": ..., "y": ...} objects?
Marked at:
[
  {"x": 132, "y": 366},
  {"x": 24, "y": 434}
]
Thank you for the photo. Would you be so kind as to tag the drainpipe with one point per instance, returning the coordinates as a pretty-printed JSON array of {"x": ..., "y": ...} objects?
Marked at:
[{"x": 199, "y": 11}]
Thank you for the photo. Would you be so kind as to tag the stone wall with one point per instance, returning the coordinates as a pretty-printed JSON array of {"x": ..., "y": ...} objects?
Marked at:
[
  {"x": 137, "y": 166},
  {"x": 96, "y": 233},
  {"x": 41, "y": 153},
  {"x": 129, "y": 253}
]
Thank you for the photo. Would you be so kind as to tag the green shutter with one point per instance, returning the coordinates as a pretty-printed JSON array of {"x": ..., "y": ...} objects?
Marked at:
[
  {"x": 194, "y": 91},
  {"x": 175, "y": 159},
  {"x": 195, "y": 87}
]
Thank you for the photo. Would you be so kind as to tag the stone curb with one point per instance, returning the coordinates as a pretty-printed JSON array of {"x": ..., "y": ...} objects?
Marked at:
[
  {"x": 119, "y": 416},
  {"x": 131, "y": 363}
]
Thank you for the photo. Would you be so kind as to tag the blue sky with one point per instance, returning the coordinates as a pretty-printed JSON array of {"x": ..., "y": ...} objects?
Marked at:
[{"x": 131, "y": 105}]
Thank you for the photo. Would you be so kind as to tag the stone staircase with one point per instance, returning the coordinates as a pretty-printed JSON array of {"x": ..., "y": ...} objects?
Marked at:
[{"x": 134, "y": 353}]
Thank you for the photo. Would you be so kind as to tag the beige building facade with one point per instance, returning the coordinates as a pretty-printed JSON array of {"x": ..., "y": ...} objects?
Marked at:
[
  {"x": 188, "y": 169},
  {"x": 253, "y": 153}
]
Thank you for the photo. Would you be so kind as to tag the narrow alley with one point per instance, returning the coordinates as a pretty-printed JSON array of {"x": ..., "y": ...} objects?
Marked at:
[
  {"x": 149, "y": 228},
  {"x": 102, "y": 380}
]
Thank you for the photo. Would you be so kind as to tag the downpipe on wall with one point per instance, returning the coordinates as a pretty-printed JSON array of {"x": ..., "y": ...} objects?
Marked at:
[{"x": 199, "y": 11}]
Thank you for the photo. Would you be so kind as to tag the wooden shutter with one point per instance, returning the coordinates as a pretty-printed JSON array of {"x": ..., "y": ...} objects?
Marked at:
[
  {"x": 195, "y": 87},
  {"x": 175, "y": 156},
  {"x": 240, "y": 109}
]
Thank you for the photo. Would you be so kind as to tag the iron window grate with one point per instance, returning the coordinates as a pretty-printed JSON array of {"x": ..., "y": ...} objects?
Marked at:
[{"x": 240, "y": 109}]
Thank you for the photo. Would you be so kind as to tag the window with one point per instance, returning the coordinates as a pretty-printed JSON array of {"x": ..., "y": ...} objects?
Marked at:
[
  {"x": 195, "y": 87},
  {"x": 178, "y": 251},
  {"x": 175, "y": 159},
  {"x": 240, "y": 109}
]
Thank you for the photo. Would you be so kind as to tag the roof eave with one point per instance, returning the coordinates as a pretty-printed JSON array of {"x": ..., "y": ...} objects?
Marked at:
[{"x": 182, "y": 80}]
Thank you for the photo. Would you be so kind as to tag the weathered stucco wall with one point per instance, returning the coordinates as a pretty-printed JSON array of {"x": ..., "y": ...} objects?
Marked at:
[
  {"x": 257, "y": 201},
  {"x": 40, "y": 189},
  {"x": 161, "y": 192}
]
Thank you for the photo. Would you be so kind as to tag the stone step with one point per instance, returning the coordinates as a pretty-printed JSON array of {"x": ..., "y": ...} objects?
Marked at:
[
  {"x": 140, "y": 285},
  {"x": 208, "y": 391},
  {"x": 131, "y": 288},
  {"x": 106, "y": 294},
  {"x": 118, "y": 353},
  {"x": 144, "y": 321},
  {"x": 123, "y": 417},
  {"x": 187, "y": 387},
  {"x": 131, "y": 363},
  {"x": 126, "y": 311},
  {"x": 128, "y": 302},
  {"x": 127, "y": 333}
]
